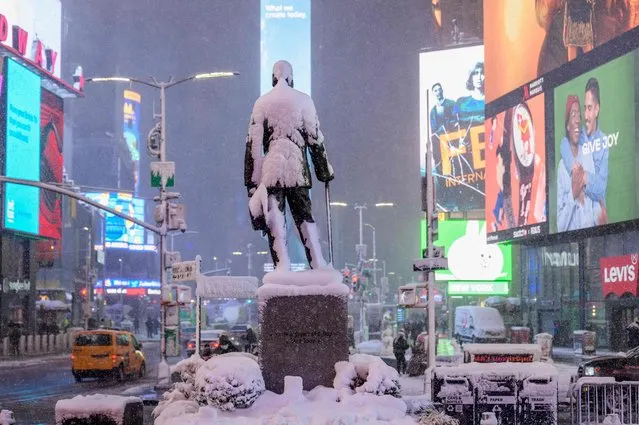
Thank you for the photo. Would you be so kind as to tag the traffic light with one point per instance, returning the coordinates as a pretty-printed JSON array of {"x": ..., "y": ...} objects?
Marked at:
[
  {"x": 177, "y": 217},
  {"x": 355, "y": 282},
  {"x": 84, "y": 292}
]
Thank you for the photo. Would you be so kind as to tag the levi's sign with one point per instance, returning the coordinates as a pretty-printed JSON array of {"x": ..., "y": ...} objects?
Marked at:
[{"x": 619, "y": 274}]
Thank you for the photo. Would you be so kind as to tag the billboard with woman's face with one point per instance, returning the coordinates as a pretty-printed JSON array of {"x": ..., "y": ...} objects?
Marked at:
[
  {"x": 526, "y": 39},
  {"x": 593, "y": 179},
  {"x": 452, "y": 118},
  {"x": 516, "y": 171}
]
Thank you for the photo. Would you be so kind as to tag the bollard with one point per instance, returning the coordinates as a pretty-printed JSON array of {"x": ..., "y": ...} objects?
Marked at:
[
  {"x": 37, "y": 344},
  {"x": 5, "y": 346},
  {"x": 22, "y": 344},
  {"x": 50, "y": 343},
  {"x": 30, "y": 344}
]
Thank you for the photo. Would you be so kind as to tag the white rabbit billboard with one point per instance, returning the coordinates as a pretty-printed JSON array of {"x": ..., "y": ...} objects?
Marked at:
[
  {"x": 452, "y": 119},
  {"x": 470, "y": 257}
]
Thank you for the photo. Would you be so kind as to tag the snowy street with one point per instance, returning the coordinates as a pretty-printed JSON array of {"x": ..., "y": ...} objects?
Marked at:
[{"x": 43, "y": 381}]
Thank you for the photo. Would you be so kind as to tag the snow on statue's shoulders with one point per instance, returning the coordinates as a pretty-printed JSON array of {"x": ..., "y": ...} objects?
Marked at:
[{"x": 324, "y": 281}]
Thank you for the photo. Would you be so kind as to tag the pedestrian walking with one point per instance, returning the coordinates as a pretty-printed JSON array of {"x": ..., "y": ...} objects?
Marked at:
[
  {"x": 400, "y": 345},
  {"x": 15, "y": 333},
  {"x": 226, "y": 346},
  {"x": 251, "y": 340},
  {"x": 149, "y": 327}
]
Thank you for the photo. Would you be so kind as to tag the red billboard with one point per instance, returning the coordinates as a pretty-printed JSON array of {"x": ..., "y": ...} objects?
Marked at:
[
  {"x": 51, "y": 162},
  {"x": 619, "y": 274}
]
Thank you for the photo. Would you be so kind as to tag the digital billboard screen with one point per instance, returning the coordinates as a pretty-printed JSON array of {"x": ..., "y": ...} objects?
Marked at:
[
  {"x": 593, "y": 180},
  {"x": 470, "y": 257},
  {"x": 121, "y": 233},
  {"x": 286, "y": 34},
  {"x": 22, "y": 148},
  {"x": 51, "y": 163},
  {"x": 131, "y": 130},
  {"x": 516, "y": 198},
  {"x": 453, "y": 120},
  {"x": 527, "y": 39}
]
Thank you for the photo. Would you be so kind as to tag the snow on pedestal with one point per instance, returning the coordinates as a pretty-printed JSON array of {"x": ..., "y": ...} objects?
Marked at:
[
  {"x": 116, "y": 408},
  {"x": 303, "y": 319}
]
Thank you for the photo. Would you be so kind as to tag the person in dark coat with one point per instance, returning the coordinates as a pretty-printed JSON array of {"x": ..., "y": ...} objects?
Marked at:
[
  {"x": 136, "y": 324},
  {"x": 15, "y": 332},
  {"x": 207, "y": 352},
  {"x": 149, "y": 327},
  {"x": 226, "y": 346},
  {"x": 633, "y": 334},
  {"x": 251, "y": 340},
  {"x": 400, "y": 345}
]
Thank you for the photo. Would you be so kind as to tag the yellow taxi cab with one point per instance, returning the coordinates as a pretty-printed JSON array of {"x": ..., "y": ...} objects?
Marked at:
[{"x": 104, "y": 352}]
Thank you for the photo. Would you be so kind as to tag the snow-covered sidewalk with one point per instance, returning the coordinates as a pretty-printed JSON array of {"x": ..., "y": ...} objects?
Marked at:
[{"x": 32, "y": 361}]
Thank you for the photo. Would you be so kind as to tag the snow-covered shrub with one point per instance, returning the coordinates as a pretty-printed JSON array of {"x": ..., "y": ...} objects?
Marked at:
[
  {"x": 367, "y": 374},
  {"x": 174, "y": 411},
  {"x": 187, "y": 368},
  {"x": 181, "y": 391},
  {"x": 433, "y": 417},
  {"x": 6, "y": 417},
  {"x": 229, "y": 382}
]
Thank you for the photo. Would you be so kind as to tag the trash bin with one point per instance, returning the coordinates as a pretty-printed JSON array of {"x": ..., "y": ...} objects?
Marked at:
[
  {"x": 497, "y": 393},
  {"x": 455, "y": 394},
  {"x": 544, "y": 340},
  {"x": 537, "y": 400},
  {"x": 584, "y": 342},
  {"x": 519, "y": 335}
]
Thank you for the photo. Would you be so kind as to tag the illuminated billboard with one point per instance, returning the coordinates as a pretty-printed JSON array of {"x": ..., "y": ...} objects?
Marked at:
[
  {"x": 33, "y": 28},
  {"x": 286, "y": 35},
  {"x": 527, "y": 39},
  {"x": 594, "y": 176},
  {"x": 516, "y": 201},
  {"x": 51, "y": 163},
  {"x": 22, "y": 148},
  {"x": 121, "y": 233},
  {"x": 131, "y": 130},
  {"x": 470, "y": 257},
  {"x": 453, "y": 120}
]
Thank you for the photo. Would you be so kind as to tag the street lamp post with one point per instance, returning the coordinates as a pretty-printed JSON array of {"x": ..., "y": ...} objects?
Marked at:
[
  {"x": 379, "y": 295},
  {"x": 188, "y": 232},
  {"x": 163, "y": 86},
  {"x": 121, "y": 278},
  {"x": 87, "y": 304}
]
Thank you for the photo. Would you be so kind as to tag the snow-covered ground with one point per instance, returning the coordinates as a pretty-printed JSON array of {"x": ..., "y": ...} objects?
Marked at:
[{"x": 32, "y": 361}]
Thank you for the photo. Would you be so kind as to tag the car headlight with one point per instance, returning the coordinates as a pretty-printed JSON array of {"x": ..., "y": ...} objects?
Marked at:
[{"x": 589, "y": 371}]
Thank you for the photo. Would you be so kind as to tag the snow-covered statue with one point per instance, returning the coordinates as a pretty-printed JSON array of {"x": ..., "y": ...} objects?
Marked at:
[{"x": 283, "y": 127}]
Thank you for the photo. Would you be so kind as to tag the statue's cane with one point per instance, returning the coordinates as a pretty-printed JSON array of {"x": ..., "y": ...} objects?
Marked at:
[{"x": 329, "y": 222}]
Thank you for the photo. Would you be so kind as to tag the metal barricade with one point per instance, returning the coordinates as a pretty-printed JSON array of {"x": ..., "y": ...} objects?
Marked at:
[{"x": 598, "y": 400}]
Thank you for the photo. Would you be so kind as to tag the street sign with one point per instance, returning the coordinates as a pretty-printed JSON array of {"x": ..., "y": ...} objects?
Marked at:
[
  {"x": 430, "y": 264},
  {"x": 185, "y": 271},
  {"x": 163, "y": 174},
  {"x": 172, "y": 257}
]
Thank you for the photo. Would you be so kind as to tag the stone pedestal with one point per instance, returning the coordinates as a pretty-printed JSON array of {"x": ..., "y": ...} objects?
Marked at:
[{"x": 303, "y": 331}]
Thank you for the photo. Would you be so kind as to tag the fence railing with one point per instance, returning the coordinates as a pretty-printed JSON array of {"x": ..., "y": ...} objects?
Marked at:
[
  {"x": 599, "y": 401},
  {"x": 33, "y": 345}
]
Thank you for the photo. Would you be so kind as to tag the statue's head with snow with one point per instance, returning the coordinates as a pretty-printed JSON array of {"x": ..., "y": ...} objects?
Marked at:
[
  {"x": 283, "y": 70},
  {"x": 283, "y": 128}
]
